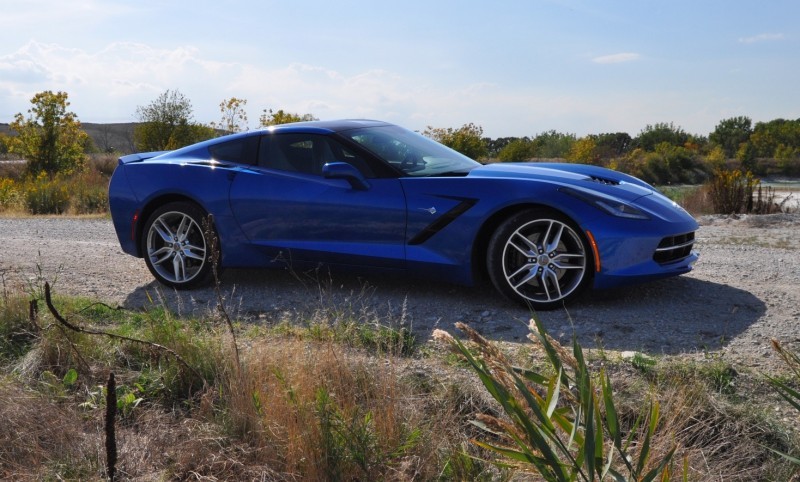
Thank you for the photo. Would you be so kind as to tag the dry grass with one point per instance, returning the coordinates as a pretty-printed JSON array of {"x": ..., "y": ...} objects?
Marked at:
[
  {"x": 307, "y": 407},
  {"x": 298, "y": 408},
  {"x": 375, "y": 425},
  {"x": 316, "y": 410},
  {"x": 40, "y": 437},
  {"x": 721, "y": 436}
]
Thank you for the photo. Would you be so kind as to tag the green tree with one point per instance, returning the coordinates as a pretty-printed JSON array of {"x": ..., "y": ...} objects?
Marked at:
[
  {"x": 50, "y": 138},
  {"x": 494, "y": 146},
  {"x": 553, "y": 145},
  {"x": 610, "y": 145},
  {"x": 467, "y": 139},
  {"x": 767, "y": 136},
  {"x": 234, "y": 117},
  {"x": 270, "y": 118},
  {"x": 729, "y": 134},
  {"x": 521, "y": 149},
  {"x": 746, "y": 154},
  {"x": 653, "y": 135},
  {"x": 166, "y": 123}
]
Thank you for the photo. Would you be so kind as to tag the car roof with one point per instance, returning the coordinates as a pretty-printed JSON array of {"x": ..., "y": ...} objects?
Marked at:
[
  {"x": 316, "y": 127},
  {"x": 327, "y": 126}
]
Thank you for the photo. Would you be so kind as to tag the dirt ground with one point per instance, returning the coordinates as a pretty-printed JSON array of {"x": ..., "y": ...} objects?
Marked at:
[{"x": 744, "y": 291}]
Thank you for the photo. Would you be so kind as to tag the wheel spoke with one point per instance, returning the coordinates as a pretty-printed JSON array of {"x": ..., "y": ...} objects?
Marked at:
[
  {"x": 179, "y": 267},
  {"x": 553, "y": 245},
  {"x": 522, "y": 250},
  {"x": 526, "y": 266},
  {"x": 568, "y": 261},
  {"x": 163, "y": 230},
  {"x": 530, "y": 245},
  {"x": 183, "y": 229},
  {"x": 165, "y": 254},
  {"x": 194, "y": 252},
  {"x": 532, "y": 275},
  {"x": 550, "y": 279}
]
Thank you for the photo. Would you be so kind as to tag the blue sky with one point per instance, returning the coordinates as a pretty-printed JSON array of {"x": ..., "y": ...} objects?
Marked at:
[{"x": 513, "y": 67}]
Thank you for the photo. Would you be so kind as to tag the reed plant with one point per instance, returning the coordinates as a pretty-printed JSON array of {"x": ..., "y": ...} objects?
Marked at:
[
  {"x": 788, "y": 389},
  {"x": 561, "y": 423}
]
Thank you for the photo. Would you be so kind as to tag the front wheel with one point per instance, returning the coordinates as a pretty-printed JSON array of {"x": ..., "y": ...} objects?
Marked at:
[
  {"x": 176, "y": 247},
  {"x": 539, "y": 258}
]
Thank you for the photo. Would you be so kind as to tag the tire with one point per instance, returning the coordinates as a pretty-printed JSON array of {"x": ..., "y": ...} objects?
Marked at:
[
  {"x": 175, "y": 246},
  {"x": 539, "y": 258}
]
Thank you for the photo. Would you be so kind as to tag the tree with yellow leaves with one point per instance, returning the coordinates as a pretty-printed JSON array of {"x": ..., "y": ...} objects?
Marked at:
[{"x": 50, "y": 138}]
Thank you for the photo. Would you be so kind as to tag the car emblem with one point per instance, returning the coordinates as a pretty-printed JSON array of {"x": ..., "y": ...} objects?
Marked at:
[{"x": 430, "y": 210}]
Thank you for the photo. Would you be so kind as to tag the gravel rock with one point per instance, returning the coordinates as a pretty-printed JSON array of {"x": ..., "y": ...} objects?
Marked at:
[{"x": 744, "y": 291}]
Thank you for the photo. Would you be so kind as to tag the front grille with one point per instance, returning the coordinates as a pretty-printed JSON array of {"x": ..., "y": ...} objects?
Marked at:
[{"x": 673, "y": 248}]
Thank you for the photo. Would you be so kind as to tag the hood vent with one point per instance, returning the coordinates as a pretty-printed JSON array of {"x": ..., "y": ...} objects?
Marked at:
[{"x": 603, "y": 180}]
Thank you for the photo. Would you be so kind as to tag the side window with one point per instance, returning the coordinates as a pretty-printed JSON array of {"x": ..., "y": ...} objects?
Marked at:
[
  {"x": 243, "y": 150},
  {"x": 343, "y": 154},
  {"x": 288, "y": 152},
  {"x": 305, "y": 153}
]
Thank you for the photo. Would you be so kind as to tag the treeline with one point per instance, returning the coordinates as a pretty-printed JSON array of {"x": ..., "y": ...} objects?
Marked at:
[
  {"x": 661, "y": 153},
  {"x": 50, "y": 138},
  {"x": 52, "y": 141}
]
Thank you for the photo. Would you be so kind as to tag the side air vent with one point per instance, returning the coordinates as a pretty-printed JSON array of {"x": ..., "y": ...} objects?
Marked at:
[
  {"x": 674, "y": 248},
  {"x": 603, "y": 180}
]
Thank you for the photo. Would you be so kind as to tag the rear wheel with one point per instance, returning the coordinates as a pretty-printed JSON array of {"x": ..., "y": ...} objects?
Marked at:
[
  {"x": 539, "y": 258},
  {"x": 176, "y": 248}
]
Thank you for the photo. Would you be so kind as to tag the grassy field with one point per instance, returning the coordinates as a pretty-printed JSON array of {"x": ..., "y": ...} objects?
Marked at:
[{"x": 344, "y": 394}]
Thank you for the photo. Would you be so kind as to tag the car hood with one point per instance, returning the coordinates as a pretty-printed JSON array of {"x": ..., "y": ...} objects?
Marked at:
[{"x": 581, "y": 176}]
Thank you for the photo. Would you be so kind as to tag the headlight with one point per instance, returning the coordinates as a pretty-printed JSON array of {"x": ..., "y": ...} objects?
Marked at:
[{"x": 610, "y": 205}]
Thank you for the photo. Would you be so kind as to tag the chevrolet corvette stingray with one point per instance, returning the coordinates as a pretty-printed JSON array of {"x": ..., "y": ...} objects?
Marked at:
[{"x": 371, "y": 196}]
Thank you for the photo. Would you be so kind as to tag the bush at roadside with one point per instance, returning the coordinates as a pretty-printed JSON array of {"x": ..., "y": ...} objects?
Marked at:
[{"x": 82, "y": 193}]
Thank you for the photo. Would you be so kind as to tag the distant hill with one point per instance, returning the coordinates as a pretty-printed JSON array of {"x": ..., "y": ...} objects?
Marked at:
[
  {"x": 111, "y": 137},
  {"x": 107, "y": 137}
]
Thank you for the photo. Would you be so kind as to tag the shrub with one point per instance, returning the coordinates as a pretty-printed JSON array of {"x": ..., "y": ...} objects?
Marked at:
[
  {"x": 105, "y": 164},
  {"x": 518, "y": 150},
  {"x": 82, "y": 193},
  {"x": 89, "y": 193},
  {"x": 735, "y": 192},
  {"x": 45, "y": 195},
  {"x": 10, "y": 195},
  {"x": 731, "y": 190}
]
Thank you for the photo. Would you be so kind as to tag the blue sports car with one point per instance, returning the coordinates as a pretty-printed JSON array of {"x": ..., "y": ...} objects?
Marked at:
[{"x": 371, "y": 196}]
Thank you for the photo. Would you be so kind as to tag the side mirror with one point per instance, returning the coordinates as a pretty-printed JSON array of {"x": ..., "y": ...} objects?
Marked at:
[{"x": 343, "y": 170}]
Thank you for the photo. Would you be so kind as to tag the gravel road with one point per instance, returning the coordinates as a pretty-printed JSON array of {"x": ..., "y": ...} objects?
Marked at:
[{"x": 744, "y": 291}]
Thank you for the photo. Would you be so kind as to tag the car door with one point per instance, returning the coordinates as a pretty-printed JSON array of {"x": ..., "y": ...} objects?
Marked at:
[{"x": 286, "y": 207}]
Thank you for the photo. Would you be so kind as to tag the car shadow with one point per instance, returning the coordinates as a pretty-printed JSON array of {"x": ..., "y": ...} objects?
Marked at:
[{"x": 675, "y": 315}]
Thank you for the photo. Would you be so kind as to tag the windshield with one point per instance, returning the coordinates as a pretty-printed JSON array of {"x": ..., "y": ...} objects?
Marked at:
[{"x": 410, "y": 152}]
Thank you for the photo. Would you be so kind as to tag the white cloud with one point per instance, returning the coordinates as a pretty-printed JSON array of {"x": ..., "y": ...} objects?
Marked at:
[
  {"x": 763, "y": 37},
  {"x": 107, "y": 85},
  {"x": 617, "y": 58}
]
